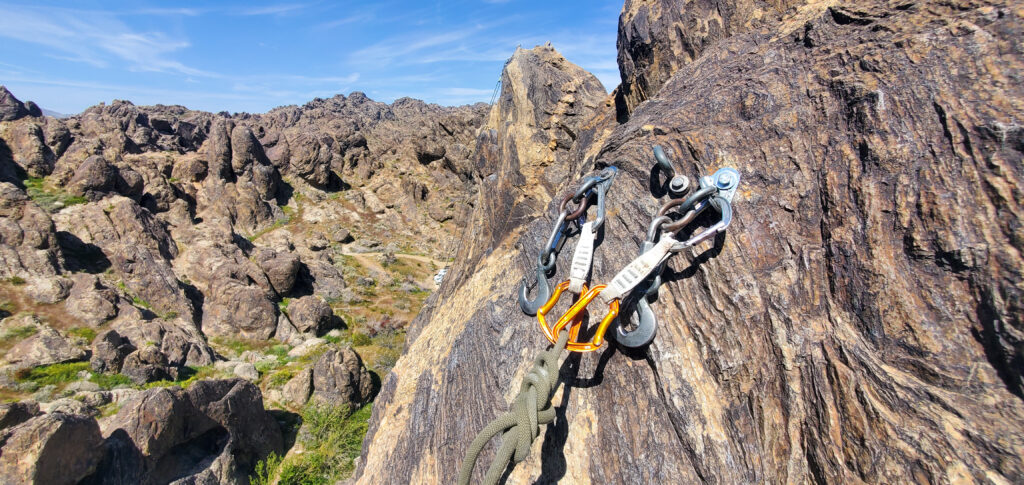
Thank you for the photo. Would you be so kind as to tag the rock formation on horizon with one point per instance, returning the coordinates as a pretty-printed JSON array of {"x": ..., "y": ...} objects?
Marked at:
[{"x": 140, "y": 245}]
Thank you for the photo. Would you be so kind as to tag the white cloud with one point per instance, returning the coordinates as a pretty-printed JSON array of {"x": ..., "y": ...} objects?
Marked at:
[
  {"x": 278, "y": 9},
  {"x": 96, "y": 38},
  {"x": 363, "y": 17}
]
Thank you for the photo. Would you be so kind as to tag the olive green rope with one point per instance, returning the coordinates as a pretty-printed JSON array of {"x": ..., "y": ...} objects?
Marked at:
[{"x": 521, "y": 424}]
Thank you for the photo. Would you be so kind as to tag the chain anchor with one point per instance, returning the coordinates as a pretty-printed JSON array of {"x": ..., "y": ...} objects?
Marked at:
[
  {"x": 716, "y": 191},
  {"x": 591, "y": 185}
]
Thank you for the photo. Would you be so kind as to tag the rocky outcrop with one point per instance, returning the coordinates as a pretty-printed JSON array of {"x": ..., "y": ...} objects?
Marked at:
[
  {"x": 53, "y": 448},
  {"x": 657, "y": 38},
  {"x": 43, "y": 347},
  {"x": 138, "y": 246},
  {"x": 28, "y": 240},
  {"x": 10, "y": 107},
  {"x": 15, "y": 413},
  {"x": 215, "y": 432},
  {"x": 90, "y": 301},
  {"x": 859, "y": 321},
  {"x": 238, "y": 297},
  {"x": 339, "y": 378}
]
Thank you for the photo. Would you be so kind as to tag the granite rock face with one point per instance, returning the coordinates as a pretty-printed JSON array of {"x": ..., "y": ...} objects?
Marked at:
[{"x": 860, "y": 320}]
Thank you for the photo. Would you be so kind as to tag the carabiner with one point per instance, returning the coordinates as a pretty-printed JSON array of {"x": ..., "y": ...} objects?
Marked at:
[
  {"x": 574, "y": 314},
  {"x": 542, "y": 313},
  {"x": 647, "y": 322},
  {"x": 646, "y": 327}
]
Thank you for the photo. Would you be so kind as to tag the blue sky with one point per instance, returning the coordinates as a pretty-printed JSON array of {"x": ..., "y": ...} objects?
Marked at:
[{"x": 250, "y": 56}]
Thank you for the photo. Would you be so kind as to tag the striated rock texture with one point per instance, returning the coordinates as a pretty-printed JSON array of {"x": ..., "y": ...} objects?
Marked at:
[
  {"x": 657, "y": 38},
  {"x": 859, "y": 322}
]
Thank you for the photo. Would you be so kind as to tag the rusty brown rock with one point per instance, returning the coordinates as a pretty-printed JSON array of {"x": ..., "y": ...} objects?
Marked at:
[{"x": 859, "y": 322}]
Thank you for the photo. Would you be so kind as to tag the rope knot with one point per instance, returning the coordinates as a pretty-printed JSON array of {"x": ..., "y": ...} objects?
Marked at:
[{"x": 520, "y": 426}]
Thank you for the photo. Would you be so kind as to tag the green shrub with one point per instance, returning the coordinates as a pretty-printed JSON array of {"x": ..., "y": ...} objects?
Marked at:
[
  {"x": 16, "y": 280},
  {"x": 51, "y": 200},
  {"x": 18, "y": 333},
  {"x": 53, "y": 374},
  {"x": 361, "y": 339},
  {"x": 85, "y": 333},
  {"x": 186, "y": 377},
  {"x": 264, "y": 473},
  {"x": 280, "y": 377},
  {"x": 332, "y": 437},
  {"x": 111, "y": 381}
]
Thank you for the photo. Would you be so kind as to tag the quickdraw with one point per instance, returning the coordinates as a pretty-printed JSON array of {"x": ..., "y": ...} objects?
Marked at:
[
  {"x": 716, "y": 191},
  {"x": 593, "y": 185},
  {"x": 532, "y": 407}
]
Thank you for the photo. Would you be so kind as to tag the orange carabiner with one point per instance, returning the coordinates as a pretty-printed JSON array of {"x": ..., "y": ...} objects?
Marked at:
[
  {"x": 542, "y": 314},
  {"x": 575, "y": 315}
]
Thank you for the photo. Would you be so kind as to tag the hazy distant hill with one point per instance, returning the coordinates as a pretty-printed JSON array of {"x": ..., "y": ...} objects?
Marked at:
[{"x": 54, "y": 113}]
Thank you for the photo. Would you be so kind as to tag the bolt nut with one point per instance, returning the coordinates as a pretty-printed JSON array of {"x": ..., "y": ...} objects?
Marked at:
[
  {"x": 679, "y": 184},
  {"x": 726, "y": 180}
]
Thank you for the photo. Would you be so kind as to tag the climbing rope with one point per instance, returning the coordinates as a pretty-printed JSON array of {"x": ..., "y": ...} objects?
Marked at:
[
  {"x": 532, "y": 406},
  {"x": 521, "y": 424}
]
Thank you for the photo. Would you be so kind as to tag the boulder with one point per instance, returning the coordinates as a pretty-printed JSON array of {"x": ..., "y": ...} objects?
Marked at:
[
  {"x": 53, "y": 448},
  {"x": 94, "y": 178},
  {"x": 215, "y": 432},
  {"x": 28, "y": 239},
  {"x": 33, "y": 109},
  {"x": 297, "y": 390},
  {"x": 238, "y": 296},
  {"x": 339, "y": 378},
  {"x": 28, "y": 149},
  {"x": 311, "y": 157},
  {"x": 247, "y": 371},
  {"x": 68, "y": 406},
  {"x": 311, "y": 315},
  {"x": 325, "y": 278},
  {"x": 306, "y": 347},
  {"x": 48, "y": 290},
  {"x": 15, "y": 413},
  {"x": 148, "y": 364},
  {"x": 281, "y": 268},
  {"x": 109, "y": 350},
  {"x": 46, "y": 346},
  {"x": 179, "y": 341},
  {"x": 10, "y": 107},
  {"x": 90, "y": 301}
]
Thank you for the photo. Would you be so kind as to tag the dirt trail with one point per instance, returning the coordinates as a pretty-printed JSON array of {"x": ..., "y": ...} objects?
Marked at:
[{"x": 370, "y": 261}]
